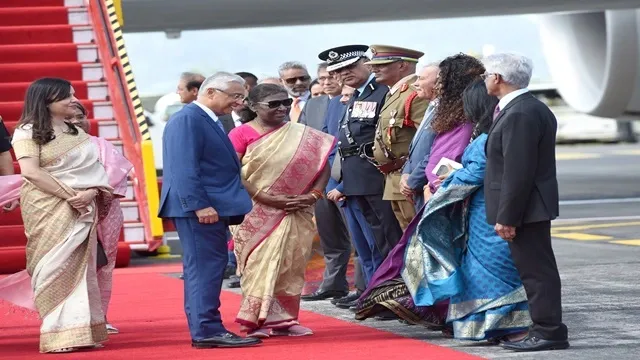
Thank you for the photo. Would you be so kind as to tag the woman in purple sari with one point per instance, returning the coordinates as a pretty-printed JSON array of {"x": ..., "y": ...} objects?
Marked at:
[{"x": 387, "y": 290}]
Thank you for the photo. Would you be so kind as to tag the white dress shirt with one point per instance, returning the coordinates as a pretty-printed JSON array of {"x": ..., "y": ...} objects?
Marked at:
[{"x": 509, "y": 97}]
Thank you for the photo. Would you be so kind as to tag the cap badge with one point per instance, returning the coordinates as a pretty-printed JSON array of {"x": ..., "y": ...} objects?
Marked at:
[{"x": 333, "y": 55}]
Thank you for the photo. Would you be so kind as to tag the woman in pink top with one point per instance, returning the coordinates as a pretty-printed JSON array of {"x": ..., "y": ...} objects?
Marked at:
[{"x": 284, "y": 168}]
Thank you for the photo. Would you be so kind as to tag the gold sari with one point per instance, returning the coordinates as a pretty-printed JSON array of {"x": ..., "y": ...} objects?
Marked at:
[
  {"x": 272, "y": 247},
  {"x": 62, "y": 242}
]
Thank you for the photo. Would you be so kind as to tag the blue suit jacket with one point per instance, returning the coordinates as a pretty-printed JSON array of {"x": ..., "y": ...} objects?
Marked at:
[
  {"x": 419, "y": 154},
  {"x": 335, "y": 113},
  {"x": 200, "y": 168}
]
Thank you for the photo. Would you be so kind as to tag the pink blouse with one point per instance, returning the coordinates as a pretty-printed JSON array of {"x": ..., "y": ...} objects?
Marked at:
[{"x": 245, "y": 135}]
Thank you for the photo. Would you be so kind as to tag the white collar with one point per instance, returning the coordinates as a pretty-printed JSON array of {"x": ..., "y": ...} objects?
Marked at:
[
  {"x": 235, "y": 116},
  {"x": 509, "y": 97},
  {"x": 209, "y": 112}
]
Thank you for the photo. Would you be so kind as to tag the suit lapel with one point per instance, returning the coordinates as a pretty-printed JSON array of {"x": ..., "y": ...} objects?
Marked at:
[
  {"x": 503, "y": 112},
  {"x": 218, "y": 130}
]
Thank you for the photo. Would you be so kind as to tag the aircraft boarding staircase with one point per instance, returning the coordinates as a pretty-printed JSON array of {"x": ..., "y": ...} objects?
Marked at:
[{"x": 81, "y": 41}]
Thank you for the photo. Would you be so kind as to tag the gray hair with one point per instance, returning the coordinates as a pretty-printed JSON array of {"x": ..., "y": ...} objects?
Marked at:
[
  {"x": 220, "y": 81},
  {"x": 191, "y": 76},
  {"x": 270, "y": 80},
  {"x": 291, "y": 65},
  {"x": 322, "y": 66},
  {"x": 515, "y": 69}
]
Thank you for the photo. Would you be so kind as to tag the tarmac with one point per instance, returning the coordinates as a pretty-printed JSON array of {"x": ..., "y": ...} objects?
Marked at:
[{"x": 597, "y": 244}]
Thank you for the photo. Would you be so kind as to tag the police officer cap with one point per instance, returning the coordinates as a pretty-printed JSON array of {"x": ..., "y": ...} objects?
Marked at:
[
  {"x": 385, "y": 54},
  {"x": 342, "y": 56}
]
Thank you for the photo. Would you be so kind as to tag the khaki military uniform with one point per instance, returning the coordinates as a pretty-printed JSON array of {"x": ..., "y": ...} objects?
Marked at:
[{"x": 394, "y": 132}]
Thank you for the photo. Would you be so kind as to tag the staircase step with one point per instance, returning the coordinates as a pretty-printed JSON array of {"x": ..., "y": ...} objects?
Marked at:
[
  {"x": 46, "y": 34},
  {"x": 12, "y": 110},
  {"x": 133, "y": 232},
  {"x": 130, "y": 211},
  {"x": 10, "y": 218},
  {"x": 43, "y": 15},
  {"x": 130, "y": 194},
  {"x": 72, "y": 71},
  {"x": 94, "y": 90},
  {"x": 38, "y": 3},
  {"x": 48, "y": 53}
]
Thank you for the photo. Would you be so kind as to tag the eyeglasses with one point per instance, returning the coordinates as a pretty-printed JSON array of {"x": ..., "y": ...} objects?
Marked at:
[
  {"x": 486, "y": 75},
  {"x": 274, "y": 104},
  {"x": 234, "y": 96},
  {"x": 293, "y": 80}
]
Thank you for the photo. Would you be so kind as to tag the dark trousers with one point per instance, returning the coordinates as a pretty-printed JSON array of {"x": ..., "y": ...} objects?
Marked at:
[
  {"x": 533, "y": 256},
  {"x": 382, "y": 220},
  {"x": 363, "y": 239},
  {"x": 204, "y": 258},
  {"x": 336, "y": 245}
]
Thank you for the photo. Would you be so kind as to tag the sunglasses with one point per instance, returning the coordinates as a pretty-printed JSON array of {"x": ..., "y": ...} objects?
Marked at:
[
  {"x": 274, "y": 104},
  {"x": 293, "y": 80}
]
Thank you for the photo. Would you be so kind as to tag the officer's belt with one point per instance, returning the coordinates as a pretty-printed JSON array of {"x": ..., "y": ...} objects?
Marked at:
[
  {"x": 393, "y": 165},
  {"x": 355, "y": 150}
]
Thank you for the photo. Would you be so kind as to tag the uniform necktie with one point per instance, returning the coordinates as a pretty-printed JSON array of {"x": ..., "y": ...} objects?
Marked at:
[
  {"x": 295, "y": 110},
  {"x": 496, "y": 112}
]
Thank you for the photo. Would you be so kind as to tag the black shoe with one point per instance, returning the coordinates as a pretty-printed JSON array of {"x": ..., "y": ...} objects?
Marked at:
[
  {"x": 386, "y": 315},
  {"x": 234, "y": 282},
  {"x": 225, "y": 340},
  {"x": 324, "y": 295},
  {"x": 351, "y": 297},
  {"x": 181, "y": 276},
  {"x": 229, "y": 271},
  {"x": 533, "y": 343},
  {"x": 347, "y": 305}
]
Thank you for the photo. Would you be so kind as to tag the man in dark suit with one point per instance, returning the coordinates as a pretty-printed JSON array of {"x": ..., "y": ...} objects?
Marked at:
[
  {"x": 334, "y": 237},
  {"x": 521, "y": 190},
  {"x": 376, "y": 230},
  {"x": 203, "y": 195}
]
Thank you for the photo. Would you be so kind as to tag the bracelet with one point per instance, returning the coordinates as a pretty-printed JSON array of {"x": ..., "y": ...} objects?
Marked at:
[{"x": 316, "y": 194}]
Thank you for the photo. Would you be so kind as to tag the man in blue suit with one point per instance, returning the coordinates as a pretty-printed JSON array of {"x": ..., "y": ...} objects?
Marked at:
[
  {"x": 413, "y": 177},
  {"x": 203, "y": 194}
]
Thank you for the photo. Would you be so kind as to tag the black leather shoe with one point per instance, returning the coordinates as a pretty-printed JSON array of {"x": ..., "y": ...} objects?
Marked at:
[
  {"x": 351, "y": 297},
  {"x": 234, "y": 282},
  {"x": 532, "y": 343},
  {"x": 347, "y": 305},
  {"x": 324, "y": 295},
  {"x": 229, "y": 271},
  {"x": 225, "y": 340}
]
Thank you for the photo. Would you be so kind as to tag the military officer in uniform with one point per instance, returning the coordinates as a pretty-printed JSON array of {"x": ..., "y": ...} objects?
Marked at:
[
  {"x": 373, "y": 225},
  {"x": 399, "y": 118}
]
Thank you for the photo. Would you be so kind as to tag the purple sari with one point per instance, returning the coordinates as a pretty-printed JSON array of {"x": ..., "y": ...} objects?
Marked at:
[{"x": 387, "y": 290}]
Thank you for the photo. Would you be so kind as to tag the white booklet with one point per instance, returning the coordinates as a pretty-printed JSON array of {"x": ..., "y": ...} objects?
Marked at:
[{"x": 445, "y": 166}]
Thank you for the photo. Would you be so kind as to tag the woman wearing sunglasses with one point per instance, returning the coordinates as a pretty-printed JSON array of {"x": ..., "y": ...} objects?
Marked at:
[{"x": 284, "y": 168}]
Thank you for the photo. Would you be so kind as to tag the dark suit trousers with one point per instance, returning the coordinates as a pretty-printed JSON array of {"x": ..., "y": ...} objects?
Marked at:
[
  {"x": 383, "y": 222},
  {"x": 336, "y": 245},
  {"x": 204, "y": 259},
  {"x": 533, "y": 256}
]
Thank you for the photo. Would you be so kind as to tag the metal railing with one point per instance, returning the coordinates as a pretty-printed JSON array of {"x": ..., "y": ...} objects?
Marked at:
[{"x": 132, "y": 126}]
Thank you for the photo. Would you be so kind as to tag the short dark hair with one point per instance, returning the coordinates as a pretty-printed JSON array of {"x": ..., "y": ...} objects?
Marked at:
[
  {"x": 192, "y": 80},
  {"x": 256, "y": 95},
  {"x": 314, "y": 82},
  {"x": 247, "y": 75}
]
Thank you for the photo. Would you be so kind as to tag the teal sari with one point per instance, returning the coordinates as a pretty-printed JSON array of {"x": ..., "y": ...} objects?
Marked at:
[{"x": 456, "y": 255}]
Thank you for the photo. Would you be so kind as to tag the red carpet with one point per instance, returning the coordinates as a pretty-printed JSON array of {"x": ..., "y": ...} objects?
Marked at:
[
  {"x": 45, "y": 15},
  {"x": 16, "y": 91},
  {"x": 41, "y": 34},
  {"x": 147, "y": 308}
]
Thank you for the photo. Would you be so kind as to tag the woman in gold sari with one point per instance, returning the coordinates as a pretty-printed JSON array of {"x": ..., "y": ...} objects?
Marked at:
[
  {"x": 65, "y": 188},
  {"x": 284, "y": 168}
]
